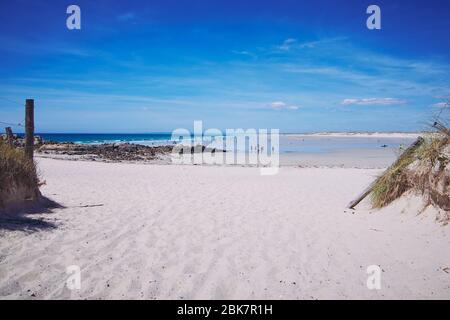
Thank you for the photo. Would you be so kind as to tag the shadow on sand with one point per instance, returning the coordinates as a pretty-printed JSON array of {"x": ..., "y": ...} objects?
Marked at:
[{"x": 19, "y": 218}]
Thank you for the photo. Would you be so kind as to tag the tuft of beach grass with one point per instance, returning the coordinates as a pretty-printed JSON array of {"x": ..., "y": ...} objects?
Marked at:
[
  {"x": 423, "y": 169},
  {"x": 18, "y": 176}
]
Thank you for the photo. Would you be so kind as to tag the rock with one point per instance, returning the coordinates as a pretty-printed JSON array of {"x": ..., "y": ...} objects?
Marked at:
[{"x": 117, "y": 152}]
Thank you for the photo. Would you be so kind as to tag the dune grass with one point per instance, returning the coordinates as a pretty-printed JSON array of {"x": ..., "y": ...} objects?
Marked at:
[
  {"x": 431, "y": 150},
  {"x": 17, "y": 175},
  {"x": 393, "y": 183},
  {"x": 402, "y": 176}
]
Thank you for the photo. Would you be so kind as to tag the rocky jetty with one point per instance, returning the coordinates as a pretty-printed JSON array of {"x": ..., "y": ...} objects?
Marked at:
[{"x": 116, "y": 152}]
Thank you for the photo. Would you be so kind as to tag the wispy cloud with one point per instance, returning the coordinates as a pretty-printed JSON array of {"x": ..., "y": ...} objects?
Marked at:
[
  {"x": 287, "y": 44},
  {"x": 441, "y": 105},
  {"x": 245, "y": 53},
  {"x": 373, "y": 101},
  {"x": 280, "y": 105},
  {"x": 292, "y": 44}
]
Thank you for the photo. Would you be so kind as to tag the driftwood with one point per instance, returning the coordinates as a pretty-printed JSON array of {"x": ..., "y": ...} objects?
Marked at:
[{"x": 369, "y": 189}]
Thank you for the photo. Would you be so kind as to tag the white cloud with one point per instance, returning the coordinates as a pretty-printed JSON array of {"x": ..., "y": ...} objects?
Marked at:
[
  {"x": 244, "y": 53},
  {"x": 441, "y": 105},
  {"x": 292, "y": 44},
  {"x": 280, "y": 105},
  {"x": 287, "y": 44},
  {"x": 373, "y": 101}
]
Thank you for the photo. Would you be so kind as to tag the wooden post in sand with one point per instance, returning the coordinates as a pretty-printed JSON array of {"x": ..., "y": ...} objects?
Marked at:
[
  {"x": 9, "y": 136},
  {"x": 29, "y": 128}
]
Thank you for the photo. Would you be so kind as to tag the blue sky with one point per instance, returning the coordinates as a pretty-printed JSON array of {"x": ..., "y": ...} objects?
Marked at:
[{"x": 153, "y": 66}]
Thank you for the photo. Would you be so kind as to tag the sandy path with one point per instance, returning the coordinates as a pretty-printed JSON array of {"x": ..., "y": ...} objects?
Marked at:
[{"x": 219, "y": 232}]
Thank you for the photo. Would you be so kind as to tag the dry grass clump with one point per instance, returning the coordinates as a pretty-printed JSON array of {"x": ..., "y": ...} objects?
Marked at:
[
  {"x": 394, "y": 182},
  {"x": 431, "y": 174},
  {"x": 423, "y": 168},
  {"x": 432, "y": 149},
  {"x": 18, "y": 178}
]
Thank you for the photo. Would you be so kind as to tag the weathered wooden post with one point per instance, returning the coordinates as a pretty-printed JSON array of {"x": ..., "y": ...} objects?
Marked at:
[
  {"x": 29, "y": 128},
  {"x": 9, "y": 136}
]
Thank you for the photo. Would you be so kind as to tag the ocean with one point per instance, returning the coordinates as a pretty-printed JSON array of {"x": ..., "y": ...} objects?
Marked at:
[
  {"x": 92, "y": 138},
  {"x": 288, "y": 143}
]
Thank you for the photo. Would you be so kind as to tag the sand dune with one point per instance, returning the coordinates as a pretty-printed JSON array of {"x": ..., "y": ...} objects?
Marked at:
[{"x": 169, "y": 232}]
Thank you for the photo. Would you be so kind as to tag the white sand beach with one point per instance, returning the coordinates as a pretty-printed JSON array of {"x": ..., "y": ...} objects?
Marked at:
[{"x": 213, "y": 232}]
